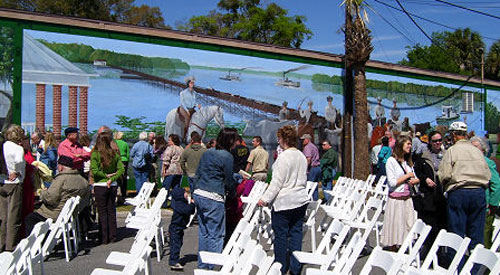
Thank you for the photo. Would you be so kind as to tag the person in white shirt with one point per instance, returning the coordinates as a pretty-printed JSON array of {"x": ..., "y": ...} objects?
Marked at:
[
  {"x": 287, "y": 195},
  {"x": 37, "y": 142},
  {"x": 11, "y": 188}
]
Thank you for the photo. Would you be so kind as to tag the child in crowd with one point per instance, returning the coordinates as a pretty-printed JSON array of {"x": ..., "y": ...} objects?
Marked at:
[{"x": 183, "y": 208}]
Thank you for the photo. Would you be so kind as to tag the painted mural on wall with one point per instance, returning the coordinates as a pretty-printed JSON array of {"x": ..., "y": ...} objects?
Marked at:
[
  {"x": 133, "y": 86},
  {"x": 6, "y": 71}
]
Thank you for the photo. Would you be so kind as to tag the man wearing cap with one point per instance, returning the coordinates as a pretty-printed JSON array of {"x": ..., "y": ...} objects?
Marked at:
[
  {"x": 258, "y": 160},
  {"x": 68, "y": 183},
  {"x": 379, "y": 112},
  {"x": 71, "y": 148},
  {"x": 465, "y": 175},
  {"x": 284, "y": 112},
  {"x": 313, "y": 165}
]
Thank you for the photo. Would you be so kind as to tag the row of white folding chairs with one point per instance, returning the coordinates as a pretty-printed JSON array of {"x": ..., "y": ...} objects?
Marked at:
[
  {"x": 135, "y": 266},
  {"x": 241, "y": 253},
  {"x": 142, "y": 218},
  {"x": 141, "y": 242},
  {"x": 27, "y": 253},
  {"x": 143, "y": 198},
  {"x": 65, "y": 227}
]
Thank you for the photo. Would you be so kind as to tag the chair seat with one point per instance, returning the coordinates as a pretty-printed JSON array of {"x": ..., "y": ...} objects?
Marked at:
[
  {"x": 311, "y": 258},
  {"x": 214, "y": 258},
  {"x": 103, "y": 271},
  {"x": 119, "y": 258}
]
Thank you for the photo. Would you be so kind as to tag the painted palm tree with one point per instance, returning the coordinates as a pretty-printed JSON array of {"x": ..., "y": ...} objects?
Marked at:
[{"x": 357, "y": 52}]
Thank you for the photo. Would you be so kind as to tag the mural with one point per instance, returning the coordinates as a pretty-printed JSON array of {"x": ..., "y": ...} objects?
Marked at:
[
  {"x": 6, "y": 71},
  {"x": 132, "y": 86}
]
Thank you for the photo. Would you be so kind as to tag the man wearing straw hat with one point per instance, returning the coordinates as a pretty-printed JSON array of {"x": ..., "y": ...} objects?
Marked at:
[{"x": 188, "y": 103}]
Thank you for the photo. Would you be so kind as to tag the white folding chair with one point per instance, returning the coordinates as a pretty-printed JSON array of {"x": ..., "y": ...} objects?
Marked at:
[
  {"x": 409, "y": 252},
  {"x": 325, "y": 254},
  {"x": 482, "y": 256},
  {"x": 275, "y": 269},
  {"x": 389, "y": 262},
  {"x": 142, "y": 199},
  {"x": 365, "y": 221},
  {"x": 59, "y": 229},
  {"x": 6, "y": 260},
  {"x": 310, "y": 224},
  {"x": 36, "y": 252},
  {"x": 265, "y": 265},
  {"x": 144, "y": 238},
  {"x": 347, "y": 259},
  {"x": 447, "y": 240},
  {"x": 134, "y": 267}
]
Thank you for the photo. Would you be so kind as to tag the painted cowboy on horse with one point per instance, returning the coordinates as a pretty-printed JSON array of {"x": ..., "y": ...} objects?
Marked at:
[{"x": 188, "y": 104}]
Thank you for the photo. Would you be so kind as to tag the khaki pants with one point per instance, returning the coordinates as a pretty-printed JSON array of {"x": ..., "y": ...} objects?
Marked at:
[
  {"x": 11, "y": 202},
  {"x": 259, "y": 176}
]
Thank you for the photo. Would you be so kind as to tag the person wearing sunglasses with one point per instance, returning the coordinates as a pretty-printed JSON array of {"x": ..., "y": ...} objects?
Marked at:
[{"x": 431, "y": 205}]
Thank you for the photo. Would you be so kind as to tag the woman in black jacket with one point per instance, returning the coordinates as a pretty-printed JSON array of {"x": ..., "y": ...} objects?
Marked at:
[{"x": 430, "y": 202}]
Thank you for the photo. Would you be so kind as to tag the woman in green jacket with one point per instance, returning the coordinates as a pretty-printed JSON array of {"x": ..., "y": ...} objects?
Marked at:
[{"x": 107, "y": 168}]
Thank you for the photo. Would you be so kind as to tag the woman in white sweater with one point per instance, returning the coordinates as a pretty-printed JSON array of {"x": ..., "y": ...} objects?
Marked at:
[
  {"x": 288, "y": 196},
  {"x": 399, "y": 214}
]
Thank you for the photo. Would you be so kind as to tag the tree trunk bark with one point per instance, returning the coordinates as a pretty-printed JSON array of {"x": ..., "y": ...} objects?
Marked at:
[
  {"x": 348, "y": 103},
  {"x": 361, "y": 157}
]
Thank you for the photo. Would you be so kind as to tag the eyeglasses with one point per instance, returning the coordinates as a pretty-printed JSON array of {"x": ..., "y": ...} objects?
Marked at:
[{"x": 437, "y": 140}]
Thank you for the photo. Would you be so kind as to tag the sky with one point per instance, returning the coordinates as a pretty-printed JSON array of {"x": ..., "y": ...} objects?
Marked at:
[{"x": 392, "y": 30}]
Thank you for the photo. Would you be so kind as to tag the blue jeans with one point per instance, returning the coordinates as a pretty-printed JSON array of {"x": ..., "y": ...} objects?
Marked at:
[
  {"x": 287, "y": 226},
  {"x": 141, "y": 176},
  {"x": 191, "y": 184},
  {"x": 313, "y": 175},
  {"x": 176, "y": 238},
  {"x": 169, "y": 182},
  {"x": 467, "y": 215},
  {"x": 211, "y": 226},
  {"x": 329, "y": 186}
]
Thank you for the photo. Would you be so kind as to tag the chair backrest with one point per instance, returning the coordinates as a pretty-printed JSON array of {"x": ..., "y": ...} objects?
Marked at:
[
  {"x": 40, "y": 230},
  {"x": 446, "y": 239},
  {"x": 256, "y": 258},
  {"x": 496, "y": 235},
  {"x": 265, "y": 265},
  {"x": 136, "y": 266},
  {"x": 160, "y": 198},
  {"x": 389, "y": 262},
  {"x": 368, "y": 221},
  {"x": 16, "y": 257},
  {"x": 275, "y": 269},
  {"x": 482, "y": 256},
  {"x": 57, "y": 226},
  {"x": 350, "y": 254},
  {"x": 414, "y": 241},
  {"x": 310, "y": 188},
  {"x": 148, "y": 190},
  {"x": 240, "y": 227},
  {"x": 312, "y": 210},
  {"x": 337, "y": 230}
]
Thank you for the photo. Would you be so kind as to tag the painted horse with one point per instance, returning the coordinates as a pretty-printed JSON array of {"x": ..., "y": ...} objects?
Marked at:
[{"x": 199, "y": 121}]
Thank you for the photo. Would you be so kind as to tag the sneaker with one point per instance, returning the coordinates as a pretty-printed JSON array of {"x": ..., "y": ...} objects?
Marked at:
[{"x": 177, "y": 266}]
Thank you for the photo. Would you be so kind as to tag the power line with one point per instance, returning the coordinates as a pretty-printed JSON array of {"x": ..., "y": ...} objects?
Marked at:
[
  {"x": 428, "y": 20},
  {"x": 468, "y": 9},
  {"x": 396, "y": 29},
  {"x": 414, "y": 22}
]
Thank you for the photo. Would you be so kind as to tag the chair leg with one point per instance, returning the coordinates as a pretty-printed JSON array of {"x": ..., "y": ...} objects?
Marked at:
[{"x": 66, "y": 246}]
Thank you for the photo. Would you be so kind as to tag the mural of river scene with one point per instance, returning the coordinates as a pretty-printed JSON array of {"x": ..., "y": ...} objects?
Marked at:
[{"x": 113, "y": 92}]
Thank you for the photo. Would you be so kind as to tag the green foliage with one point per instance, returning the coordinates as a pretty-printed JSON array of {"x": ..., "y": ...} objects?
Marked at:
[
  {"x": 333, "y": 84},
  {"x": 492, "y": 66},
  {"x": 122, "y": 11},
  {"x": 249, "y": 20},
  {"x": 492, "y": 118},
  {"x": 6, "y": 55},
  {"x": 135, "y": 126},
  {"x": 454, "y": 52},
  {"x": 87, "y": 54}
]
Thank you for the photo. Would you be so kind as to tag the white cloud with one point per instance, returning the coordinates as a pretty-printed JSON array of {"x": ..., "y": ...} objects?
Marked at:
[
  {"x": 388, "y": 53},
  {"x": 388, "y": 37},
  {"x": 328, "y": 46}
]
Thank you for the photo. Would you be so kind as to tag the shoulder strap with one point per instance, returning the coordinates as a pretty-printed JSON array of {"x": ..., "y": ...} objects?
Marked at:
[{"x": 3, "y": 165}]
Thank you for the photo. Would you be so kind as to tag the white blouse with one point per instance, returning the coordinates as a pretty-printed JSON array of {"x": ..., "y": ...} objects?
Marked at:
[
  {"x": 287, "y": 189},
  {"x": 14, "y": 159},
  {"x": 394, "y": 172}
]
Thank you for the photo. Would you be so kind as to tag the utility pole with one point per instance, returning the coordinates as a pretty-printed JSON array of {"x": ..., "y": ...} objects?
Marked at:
[{"x": 483, "y": 91}]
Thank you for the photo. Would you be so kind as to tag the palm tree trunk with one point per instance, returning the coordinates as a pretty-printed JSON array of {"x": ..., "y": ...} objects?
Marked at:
[
  {"x": 361, "y": 158},
  {"x": 348, "y": 104}
]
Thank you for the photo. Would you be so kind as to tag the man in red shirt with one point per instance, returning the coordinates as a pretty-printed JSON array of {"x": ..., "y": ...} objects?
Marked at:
[{"x": 71, "y": 148}]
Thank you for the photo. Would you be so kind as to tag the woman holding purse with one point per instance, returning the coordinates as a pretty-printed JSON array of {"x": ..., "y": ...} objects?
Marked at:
[{"x": 399, "y": 213}]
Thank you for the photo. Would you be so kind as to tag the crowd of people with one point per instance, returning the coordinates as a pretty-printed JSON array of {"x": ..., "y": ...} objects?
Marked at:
[
  {"x": 453, "y": 186},
  {"x": 451, "y": 183}
]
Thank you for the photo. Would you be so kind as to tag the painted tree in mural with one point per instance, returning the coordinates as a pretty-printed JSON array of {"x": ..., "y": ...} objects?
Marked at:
[
  {"x": 123, "y": 11},
  {"x": 6, "y": 70},
  {"x": 249, "y": 20},
  {"x": 358, "y": 48}
]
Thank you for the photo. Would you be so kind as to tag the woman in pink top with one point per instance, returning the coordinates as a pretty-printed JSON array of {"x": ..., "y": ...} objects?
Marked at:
[
  {"x": 171, "y": 167},
  {"x": 399, "y": 215}
]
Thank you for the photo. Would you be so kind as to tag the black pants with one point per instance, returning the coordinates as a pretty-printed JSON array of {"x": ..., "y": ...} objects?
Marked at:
[
  {"x": 31, "y": 220},
  {"x": 176, "y": 239},
  {"x": 106, "y": 209}
]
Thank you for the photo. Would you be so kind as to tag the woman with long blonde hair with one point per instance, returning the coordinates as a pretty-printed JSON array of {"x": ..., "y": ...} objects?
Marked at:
[{"x": 48, "y": 153}]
